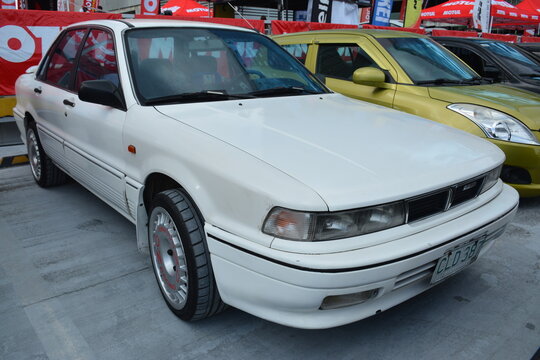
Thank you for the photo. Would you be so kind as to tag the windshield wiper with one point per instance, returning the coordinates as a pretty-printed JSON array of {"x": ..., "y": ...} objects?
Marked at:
[
  {"x": 291, "y": 90},
  {"x": 530, "y": 75},
  {"x": 442, "y": 81},
  {"x": 195, "y": 97}
]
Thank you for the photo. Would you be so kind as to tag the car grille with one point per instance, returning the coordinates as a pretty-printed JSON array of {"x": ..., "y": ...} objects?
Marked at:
[{"x": 441, "y": 200}]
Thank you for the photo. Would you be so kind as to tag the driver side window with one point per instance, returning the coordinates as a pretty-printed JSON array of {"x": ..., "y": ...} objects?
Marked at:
[
  {"x": 341, "y": 60},
  {"x": 98, "y": 59}
]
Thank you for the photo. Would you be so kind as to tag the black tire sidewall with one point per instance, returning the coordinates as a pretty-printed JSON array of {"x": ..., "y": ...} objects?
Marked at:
[
  {"x": 43, "y": 175},
  {"x": 164, "y": 201}
]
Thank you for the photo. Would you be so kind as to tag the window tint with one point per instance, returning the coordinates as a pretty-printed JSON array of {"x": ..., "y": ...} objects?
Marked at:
[
  {"x": 514, "y": 58},
  {"x": 342, "y": 60},
  {"x": 171, "y": 61},
  {"x": 470, "y": 57},
  {"x": 299, "y": 51},
  {"x": 62, "y": 61},
  {"x": 424, "y": 60},
  {"x": 98, "y": 59}
]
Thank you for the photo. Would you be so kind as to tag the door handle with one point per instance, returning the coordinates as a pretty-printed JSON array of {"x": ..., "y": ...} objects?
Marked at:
[
  {"x": 37, "y": 90},
  {"x": 69, "y": 103}
]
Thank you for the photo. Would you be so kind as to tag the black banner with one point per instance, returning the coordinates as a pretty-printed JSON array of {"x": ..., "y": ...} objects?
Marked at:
[{"x": 321, "y": 11}]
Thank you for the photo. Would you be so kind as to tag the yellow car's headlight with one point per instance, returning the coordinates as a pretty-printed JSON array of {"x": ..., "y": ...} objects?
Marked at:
[{"x": 496, "y": 124}]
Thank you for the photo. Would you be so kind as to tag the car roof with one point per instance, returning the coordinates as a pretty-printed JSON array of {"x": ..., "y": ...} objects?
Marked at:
[
  {"x": 363, "y": 32},
  {"x": 469, "y": 40},
  {"x": 152, "y": 23}
]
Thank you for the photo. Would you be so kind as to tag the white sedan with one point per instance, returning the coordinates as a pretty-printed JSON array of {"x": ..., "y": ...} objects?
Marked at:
[{"x": 250, "y": 183}]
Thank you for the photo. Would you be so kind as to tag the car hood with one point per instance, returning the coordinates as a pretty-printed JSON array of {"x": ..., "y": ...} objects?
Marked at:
[
  {"x": 351, "y": 153},
  {"x": 521, "y": 104}
]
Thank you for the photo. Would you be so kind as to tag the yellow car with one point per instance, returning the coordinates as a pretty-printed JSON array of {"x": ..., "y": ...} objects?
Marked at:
[{"x": 412, "y": 73}]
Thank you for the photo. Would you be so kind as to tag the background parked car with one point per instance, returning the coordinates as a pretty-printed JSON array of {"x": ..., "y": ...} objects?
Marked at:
[
  {"x": 498, "y": 61},
  {"x": 413, "y": 73},
  {"x": 533, "y": 48}
]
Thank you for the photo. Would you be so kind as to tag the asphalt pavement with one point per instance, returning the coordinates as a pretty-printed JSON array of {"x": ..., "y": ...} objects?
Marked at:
[{"x": 73, "y": 286}]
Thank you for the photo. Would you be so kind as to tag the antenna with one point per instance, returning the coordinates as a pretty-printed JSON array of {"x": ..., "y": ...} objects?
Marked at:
[{"x": 243, "y": 18}]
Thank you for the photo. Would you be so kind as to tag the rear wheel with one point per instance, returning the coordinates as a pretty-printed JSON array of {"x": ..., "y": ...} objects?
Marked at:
[
  {"x": 45, "y": 173},
  {"x": 180, "y": 257}
]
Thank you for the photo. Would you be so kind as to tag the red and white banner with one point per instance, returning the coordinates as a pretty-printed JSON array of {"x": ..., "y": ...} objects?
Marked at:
[
  {"x": 285, "y": 27},
  {"x": 149, "y": 7},
  {"x": 25, "y": 35},
  {"x": 365, "y": 15},
  {"x": 189, "y": 8},
  {"x": 8, "y": 4}
]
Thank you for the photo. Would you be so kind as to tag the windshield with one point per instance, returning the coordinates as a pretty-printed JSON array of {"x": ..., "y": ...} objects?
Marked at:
[
  {"x": 515, "y": 59},
  {"x": 427, "y": 62},
  {"x": 172, "y": 65}
]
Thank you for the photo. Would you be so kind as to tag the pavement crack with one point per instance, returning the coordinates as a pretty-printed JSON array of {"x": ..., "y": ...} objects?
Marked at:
[{"x": 84, "y": 288}]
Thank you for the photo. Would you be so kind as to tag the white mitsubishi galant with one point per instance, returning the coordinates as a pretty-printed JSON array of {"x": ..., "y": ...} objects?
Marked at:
[{"x": 250, "y": 183}]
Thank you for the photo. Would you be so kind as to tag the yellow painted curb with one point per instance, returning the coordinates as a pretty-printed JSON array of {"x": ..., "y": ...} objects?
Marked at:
[
  {"x": 13, "y": 160},
  {"x": 7, "y": 103}
]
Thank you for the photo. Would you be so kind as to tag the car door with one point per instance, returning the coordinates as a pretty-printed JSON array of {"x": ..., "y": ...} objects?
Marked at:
[
  {"x": 93, "y": 133},
  {"x": 52, "y": 85},
  {"x": 337, "y": 63}
]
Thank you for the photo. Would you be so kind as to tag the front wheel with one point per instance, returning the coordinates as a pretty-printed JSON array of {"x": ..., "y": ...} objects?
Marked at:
[
  {"x": 180, "y": 257},
  {"x": 45, "y": 173}
]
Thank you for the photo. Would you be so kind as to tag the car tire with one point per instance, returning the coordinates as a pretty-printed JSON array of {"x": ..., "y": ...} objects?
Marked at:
[
  {"x": 180, "y": 257},
  {"x": 45, "y": 173}
]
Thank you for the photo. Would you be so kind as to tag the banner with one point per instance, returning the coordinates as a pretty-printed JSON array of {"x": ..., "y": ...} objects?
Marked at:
[
  {"x": 8, "y": 4},
  {"x": 502, "y": 37},
  {"x": 286, "y": 27},
  {"x": 320, "y": 11},
  {"x": 381, "y": 12},
  {"x": 149, "y": 7},
  {"x": 25, "y": 35},
  {"x": 365, "y": 15},
  {"x": 412, "y": 12},
  {"x": 482, "y": 15},
  {"x": 345, "y": 13}
]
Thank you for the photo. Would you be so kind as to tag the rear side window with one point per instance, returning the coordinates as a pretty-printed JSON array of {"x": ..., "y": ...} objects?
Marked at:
[
  {"x": 98, "y": 59},
  {"x": 299, "y": 51},
  {"x": 341, "y": 60},
  {"x": 62, "y": 62}
]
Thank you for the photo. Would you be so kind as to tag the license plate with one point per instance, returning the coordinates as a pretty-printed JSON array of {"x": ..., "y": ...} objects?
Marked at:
[{"x": 456, "y": 259}]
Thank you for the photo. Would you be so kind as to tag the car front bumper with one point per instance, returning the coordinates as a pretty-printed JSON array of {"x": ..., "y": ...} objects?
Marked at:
[
  {"x": 526, "y": 157},
  {"x": 291, "y": 294}
]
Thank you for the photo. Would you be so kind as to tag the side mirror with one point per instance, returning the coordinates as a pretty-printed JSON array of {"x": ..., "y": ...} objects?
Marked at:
[
  {"x": 369, "y": 76},
  {"x": 492, "y": 72},
  {"x": 31, "y": 69},
  {"x": 102, "y": 92}
]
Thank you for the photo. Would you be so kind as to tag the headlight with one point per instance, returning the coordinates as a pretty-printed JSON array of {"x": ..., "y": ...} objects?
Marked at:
[
  {"x": 305, "y": 226},
  {"x": 496, "y": 124},
  {"x": 491, "y": 179}
]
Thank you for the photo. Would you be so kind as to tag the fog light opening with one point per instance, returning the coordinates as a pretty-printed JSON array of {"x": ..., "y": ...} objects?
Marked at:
[
  {"x": 515, "y": 175},
  {"x": 339, "y": 301}
]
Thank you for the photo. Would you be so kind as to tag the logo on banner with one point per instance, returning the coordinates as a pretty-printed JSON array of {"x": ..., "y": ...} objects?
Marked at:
[
  {"x": 150, "y": 7},
  {"x": 381, "y": 12},
  {"x": 19, "y": 44},
  {"x": 321, "y": 11},
  {"x": 8, "y": 4}
]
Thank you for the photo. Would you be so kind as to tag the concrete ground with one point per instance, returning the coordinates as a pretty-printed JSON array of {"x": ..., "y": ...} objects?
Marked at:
[{"x": 73, "y": 286}]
